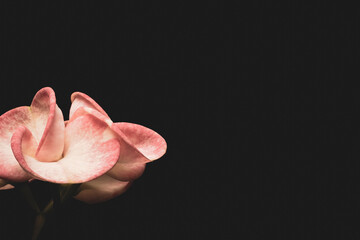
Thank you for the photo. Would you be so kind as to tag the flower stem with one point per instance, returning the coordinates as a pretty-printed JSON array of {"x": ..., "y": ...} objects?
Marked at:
[
  {"x": 60, "y": 194},
  {"x": 39, "y": 224},
  {"x": 49, "y": 207},
  {"x": 59, "y": 197},
  {"x": 26, "y": 191}
]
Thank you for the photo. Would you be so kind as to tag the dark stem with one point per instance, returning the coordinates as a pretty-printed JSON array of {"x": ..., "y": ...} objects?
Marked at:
[
  {"x": 56, "y": 196},
  {"x": 60, "y": 194},
  {"x": 26, "y": 191},
  {"x": 39, "y": 224}
]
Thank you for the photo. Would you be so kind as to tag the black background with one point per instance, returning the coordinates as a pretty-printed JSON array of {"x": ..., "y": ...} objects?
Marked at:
[{"x": 254, "y": 101}]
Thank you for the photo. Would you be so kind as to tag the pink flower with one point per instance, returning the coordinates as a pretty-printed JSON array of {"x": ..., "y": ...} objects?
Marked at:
[{"x": 36, "y": 143}]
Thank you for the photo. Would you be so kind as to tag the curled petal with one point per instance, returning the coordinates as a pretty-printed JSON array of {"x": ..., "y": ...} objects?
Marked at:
[
  {"x": 9, "y": 122},
  {"x": 149, "y": 143},
  {"x": 133, "y": 163},
  {"x": 139, "y": 145},
  {"x": 140, "y": 139},
  {"x": 47, "y": 125},
  {"x": 79, "y": 99},
  {"x": 101, "y": 189},
  {"x": 91, "y": 149}
]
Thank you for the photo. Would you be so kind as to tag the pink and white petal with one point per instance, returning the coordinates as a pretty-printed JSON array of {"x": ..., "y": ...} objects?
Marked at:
[
  {"x": 131, "y": 154},
  {"x": 86, "y": 110},
  {"x": 121, "y": 171},
  {"x": 91, "y": 149},
  {"x": 148, "y": 142},
  {"x": 127, "y": 171},
  {"x": 139, "y": 145},
  {"x": 101, "y": 189},
  {"x": 52, "y": 142},
  {"x": 47, "y": 125},
  {"x": 9, "y": 122},
  {"x": 40, "y": 110},
  {"x": 79, "y": 99}
]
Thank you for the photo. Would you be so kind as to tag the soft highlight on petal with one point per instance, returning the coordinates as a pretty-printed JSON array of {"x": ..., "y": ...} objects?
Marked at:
[
  {"x": 47, "y": 126},
  {"x": 101, "y": 189},
  {"x": 91, "y": 149}
]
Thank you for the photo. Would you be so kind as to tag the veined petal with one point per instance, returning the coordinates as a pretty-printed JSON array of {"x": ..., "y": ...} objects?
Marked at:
[
  {"x": 47, "y": 125},
  {"x": 101, "y": 189},
  {"x": 91, "y": 149},
  {"x": 79, "y": 99},
  {"x": 9, "y": 122}
]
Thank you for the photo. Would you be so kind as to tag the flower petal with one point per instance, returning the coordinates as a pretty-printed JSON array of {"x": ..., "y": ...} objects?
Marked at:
[
  {"x": 101, "y": 189},
  {"x": 86, "y": 110},
  {"x": 91, "y": 149},
  {"x": 7, "y": 187},
  {"x": 127, "y": 171},
  {"x": 9, "y": 122},
  {"x": 79, "y": 99},
  {"x": 148, "y": 142},
  {"x": 123, "y": 171},
  {"x": 139, "y": 145},
  {"x": 4, "y": 185},
  {"x": 47, "y": 126}
]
